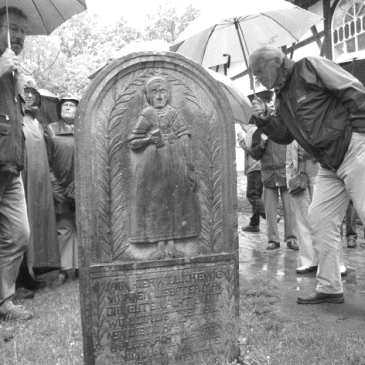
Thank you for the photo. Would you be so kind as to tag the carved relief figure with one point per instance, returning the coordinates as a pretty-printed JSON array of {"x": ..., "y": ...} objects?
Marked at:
[{"x": 164, "y": 204}]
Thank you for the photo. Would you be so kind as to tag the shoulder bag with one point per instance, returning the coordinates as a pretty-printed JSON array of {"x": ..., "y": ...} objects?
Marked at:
[{"x": 298, "y": 182}]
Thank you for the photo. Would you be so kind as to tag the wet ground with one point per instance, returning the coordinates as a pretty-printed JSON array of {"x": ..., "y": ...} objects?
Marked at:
[{"x": 281, "y": 265}]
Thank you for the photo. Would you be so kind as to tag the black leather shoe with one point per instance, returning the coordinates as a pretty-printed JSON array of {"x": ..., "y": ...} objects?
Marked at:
[
  {"x": 272, "y": 245},
  {"x": 306, "y": 269},
  {"x": 318, "y": 297},
  {"x": 292, "y": 244},
  {"x": 23, "y": 293},
  {"x": 25, "y": 280},
  {"x": 251, "y": 228},
  {"x": 36, "y": 284}
]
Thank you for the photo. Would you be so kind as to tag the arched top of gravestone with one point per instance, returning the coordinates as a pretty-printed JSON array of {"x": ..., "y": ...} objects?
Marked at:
[
  {"x": 123, "y": 203},
  {"x": 134, "y": 62}
]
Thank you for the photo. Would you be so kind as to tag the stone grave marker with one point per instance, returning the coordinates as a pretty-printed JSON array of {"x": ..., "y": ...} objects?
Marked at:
[{"x": 156, "y": 211}]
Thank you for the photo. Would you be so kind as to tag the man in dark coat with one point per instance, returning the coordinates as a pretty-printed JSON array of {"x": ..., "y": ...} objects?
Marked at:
[
  {"x": 14, "y": 228},
  {"x": 60, "y": 143}
]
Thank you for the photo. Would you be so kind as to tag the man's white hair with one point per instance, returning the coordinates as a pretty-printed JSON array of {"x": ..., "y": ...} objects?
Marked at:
[{"x": 266, "y": 53}]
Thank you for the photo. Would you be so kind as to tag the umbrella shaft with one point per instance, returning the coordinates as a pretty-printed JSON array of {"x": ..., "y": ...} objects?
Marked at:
[{"x": 241, "y": 38}]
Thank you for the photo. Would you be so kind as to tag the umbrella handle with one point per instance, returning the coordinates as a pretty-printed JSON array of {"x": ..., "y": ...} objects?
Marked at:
[{"x": 229, "y": 59}]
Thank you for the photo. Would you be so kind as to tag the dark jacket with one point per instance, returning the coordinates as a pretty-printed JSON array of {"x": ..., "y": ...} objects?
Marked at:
[
  {"x": 319, "y": 105},
  {"x": 60, "y": 146},
  {"x": 251, "y": 164},
  {"x": 11, "y": 123},
  {"x": 273, "y": 161}
]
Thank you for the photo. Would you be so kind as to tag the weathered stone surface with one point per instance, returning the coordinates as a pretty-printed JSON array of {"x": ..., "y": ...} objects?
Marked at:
[
  {"x": 169, "y": 314},
  {"x": 156, "y": 211}
]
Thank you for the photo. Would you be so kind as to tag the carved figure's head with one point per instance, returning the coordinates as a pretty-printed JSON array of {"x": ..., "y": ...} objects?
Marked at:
[{"x": 157, "y": 90}]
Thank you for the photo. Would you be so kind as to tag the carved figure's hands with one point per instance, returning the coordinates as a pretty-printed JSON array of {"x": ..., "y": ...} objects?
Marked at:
[
  {"x": 157, "y": 138},
  {"x": 154, "y": 139}
]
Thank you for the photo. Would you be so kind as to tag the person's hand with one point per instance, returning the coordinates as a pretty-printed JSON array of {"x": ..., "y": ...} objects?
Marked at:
[
  {"x": 70, "y": 190},
  {"x": 263, "y": 140},
  {"x": 239, "y": 136},
  {"x": 8, "y": 62},
  {"x": 260, "y": 109}
]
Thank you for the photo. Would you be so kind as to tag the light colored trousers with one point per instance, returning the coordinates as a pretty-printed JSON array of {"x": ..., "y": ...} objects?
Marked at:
[
  {"x": 332, "y": 193},
  {"x": 300, "y": 207},
  {"x": 14, "y": 232},
  {"x": 301, "y": 204},
  {"x": 67, "y": 240},
  {"x": 271, "y": 200}
]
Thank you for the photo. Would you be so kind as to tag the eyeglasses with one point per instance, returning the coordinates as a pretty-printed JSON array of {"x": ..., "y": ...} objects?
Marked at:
[{"x": 15, "y": 29}]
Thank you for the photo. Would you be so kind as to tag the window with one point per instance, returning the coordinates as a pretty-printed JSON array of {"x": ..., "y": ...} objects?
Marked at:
[{"x": 348, "y": 27}]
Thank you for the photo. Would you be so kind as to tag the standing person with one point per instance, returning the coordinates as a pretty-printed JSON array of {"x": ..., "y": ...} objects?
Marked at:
[
  {"x": 254, "y": 189},
  {"x": 60, "y": 140},
  {"x": 273, "y": 175},
  {"x": 299, "y": 160},
  {"x": 323, "y": 108},
  {"x": 43, "y": 252},
  {"x": 14, "y": 227}
]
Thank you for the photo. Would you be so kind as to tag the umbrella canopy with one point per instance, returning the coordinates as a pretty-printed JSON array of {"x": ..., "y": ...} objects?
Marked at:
[
  {"x": 239, "y": 102},
  {"x": 240, "y": 27},
  {"x": 44, "y": 16}
]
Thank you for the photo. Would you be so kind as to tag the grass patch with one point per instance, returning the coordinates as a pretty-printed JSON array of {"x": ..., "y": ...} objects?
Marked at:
[
  {"x": 53, "y": 337},
  {"x": 269, "y": 336}
]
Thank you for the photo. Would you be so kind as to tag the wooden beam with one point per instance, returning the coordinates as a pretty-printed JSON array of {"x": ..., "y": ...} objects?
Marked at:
[
  {"x": 328, "y": 11},
  {"x": 316, "y": 34},
  {"x": 326, "y": 50},
  {"x": 314, "y": 38}
]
